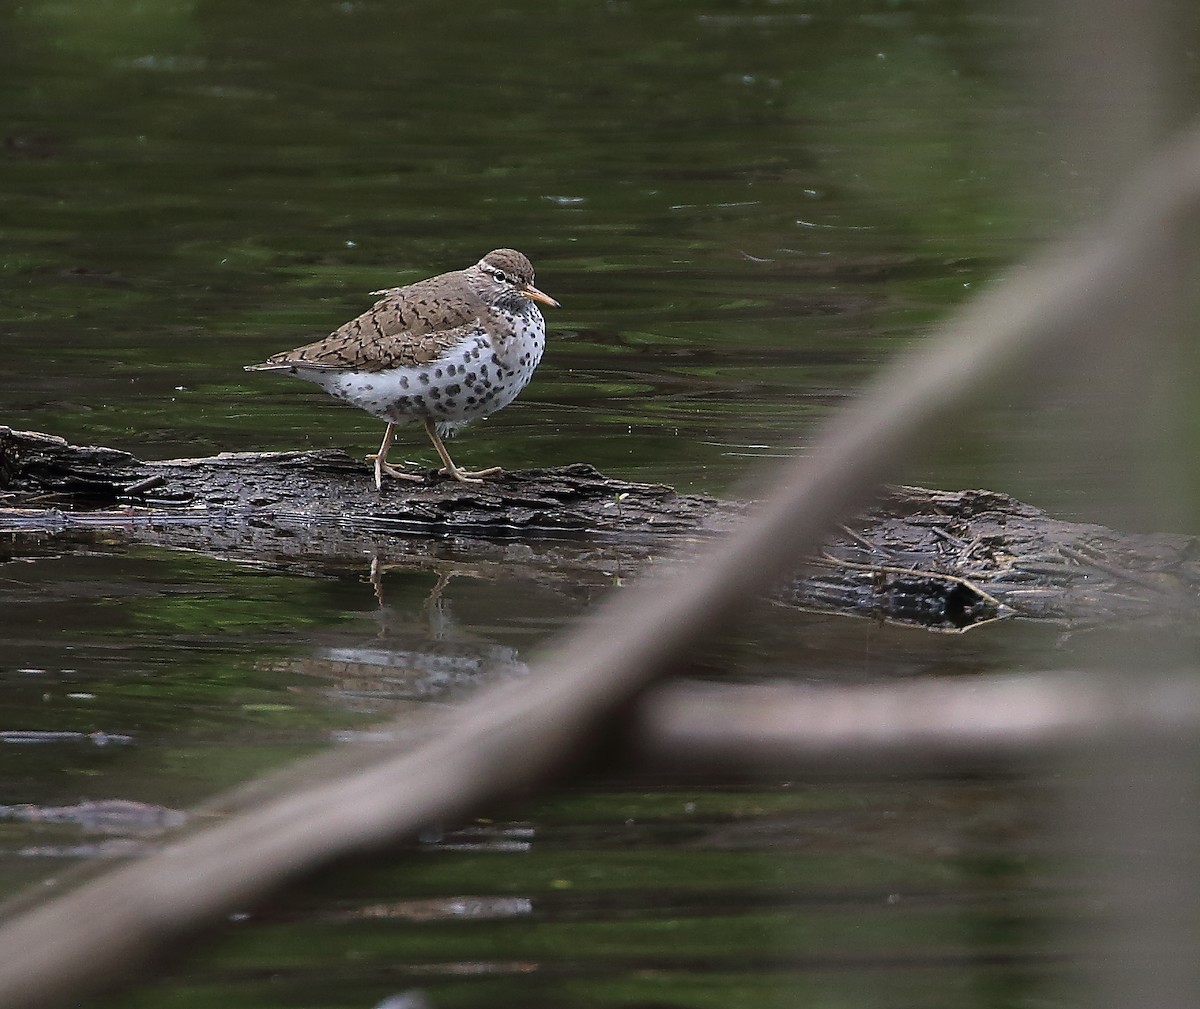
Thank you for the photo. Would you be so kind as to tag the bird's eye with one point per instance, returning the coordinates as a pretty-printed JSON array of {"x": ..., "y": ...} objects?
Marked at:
[{"x": 501, "y": 276}]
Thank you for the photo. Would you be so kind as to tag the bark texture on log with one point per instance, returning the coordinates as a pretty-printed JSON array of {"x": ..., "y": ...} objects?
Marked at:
[
  {"x": 944, "y": 560},
  {"x": 330, "y": 487},
  {"x": 991, "y": 555}
]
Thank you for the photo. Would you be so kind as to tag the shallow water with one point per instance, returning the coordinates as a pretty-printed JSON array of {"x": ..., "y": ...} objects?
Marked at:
[{"x": 745, "y": 210}]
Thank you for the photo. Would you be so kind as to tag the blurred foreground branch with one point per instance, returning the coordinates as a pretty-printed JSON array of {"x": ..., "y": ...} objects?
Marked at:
[
  {"x": 913, "y": 724},
  {"x": 1069, "y": 306}
]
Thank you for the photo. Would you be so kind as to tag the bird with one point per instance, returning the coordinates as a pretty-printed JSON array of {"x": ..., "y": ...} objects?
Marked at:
[{"x": 443, "y": 352}]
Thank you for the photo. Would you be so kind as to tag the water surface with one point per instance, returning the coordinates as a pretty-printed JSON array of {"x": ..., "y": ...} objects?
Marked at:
[{"x": 745, "y": 209}]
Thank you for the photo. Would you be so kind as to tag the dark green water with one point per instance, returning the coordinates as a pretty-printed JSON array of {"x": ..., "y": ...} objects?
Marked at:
[{"x": 745, "y": 208}]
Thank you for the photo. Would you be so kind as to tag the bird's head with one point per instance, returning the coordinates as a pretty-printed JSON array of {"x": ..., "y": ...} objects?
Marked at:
[{"x": 511, "y": 273}]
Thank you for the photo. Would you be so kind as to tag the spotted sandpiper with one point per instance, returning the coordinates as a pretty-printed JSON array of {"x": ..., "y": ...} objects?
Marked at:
[{"x": 443, "y": 351}]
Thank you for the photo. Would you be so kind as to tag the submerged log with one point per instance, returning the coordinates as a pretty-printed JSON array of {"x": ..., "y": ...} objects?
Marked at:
[{"x": 944, "y": 560}]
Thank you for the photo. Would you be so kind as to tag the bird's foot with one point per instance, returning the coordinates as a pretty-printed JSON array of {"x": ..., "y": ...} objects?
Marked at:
[
  {"x": 382, "y": 468},
  {"x": 467, "y": 475}
]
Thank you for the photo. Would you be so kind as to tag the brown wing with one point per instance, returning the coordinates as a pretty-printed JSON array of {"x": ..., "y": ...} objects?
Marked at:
[{"x": 408, "y": 326}]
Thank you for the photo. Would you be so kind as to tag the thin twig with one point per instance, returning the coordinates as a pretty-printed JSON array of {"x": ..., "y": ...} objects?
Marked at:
[
  {"x": 862, "y": 541},
  {"x": 1123, "y": 574},
  {"x": 830, "y": 560}
]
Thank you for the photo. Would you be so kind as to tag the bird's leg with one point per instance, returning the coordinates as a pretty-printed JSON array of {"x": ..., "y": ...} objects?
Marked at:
[
  {"x": 450, "y": 469},
  {"x": 381, "y": 464}
]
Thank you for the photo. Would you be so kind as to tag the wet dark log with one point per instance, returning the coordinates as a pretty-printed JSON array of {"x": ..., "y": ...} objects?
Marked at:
[
  {"x": 330, "y": 488},
  {"x": 945, "y": 560},
  {"x": 954, "y": 559}
]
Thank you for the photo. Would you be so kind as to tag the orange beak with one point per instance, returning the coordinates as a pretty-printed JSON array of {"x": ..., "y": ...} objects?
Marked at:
[{"x": 533, "y": 294}]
